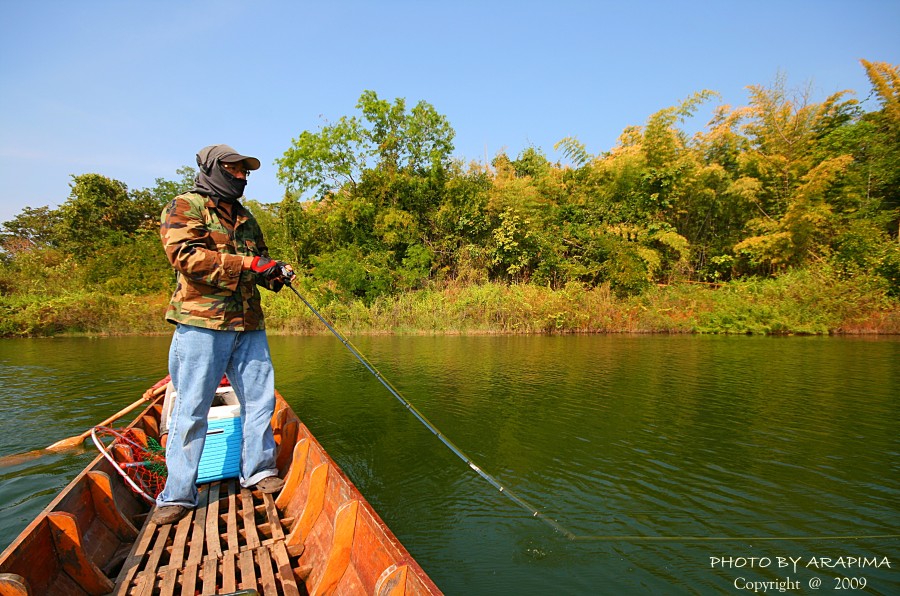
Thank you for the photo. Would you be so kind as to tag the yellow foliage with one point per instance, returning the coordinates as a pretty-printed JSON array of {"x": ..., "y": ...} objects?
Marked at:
[
  {"x": 784, "y": 128},
  {"x": 805, "y": 226},
  {"x": 515, "y": 193},
  {"x": 676, "y": 242},
  {"x": 396, "y": 226},
  {"x": 651, "y": 258},
  {"x": 817, "y": 180},
  {"x": 774, "y": 249},
  {"x": 726, "y": 119},
  {"x": 745, "y": 188},
  {"x": 626, "y": 232},
  {"x": 631, "y": 137},
  {"x": 885, "y": 79},
  {"x": 712, "y": 178}
]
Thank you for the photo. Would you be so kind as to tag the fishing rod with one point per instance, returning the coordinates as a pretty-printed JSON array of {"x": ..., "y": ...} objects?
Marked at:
[
  {"x": 431, "y": 427},
  {"x": 288, "y": 275}
]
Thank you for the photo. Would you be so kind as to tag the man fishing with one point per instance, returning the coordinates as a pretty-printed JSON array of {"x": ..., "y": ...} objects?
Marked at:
[{"x": 219, "y": 255}]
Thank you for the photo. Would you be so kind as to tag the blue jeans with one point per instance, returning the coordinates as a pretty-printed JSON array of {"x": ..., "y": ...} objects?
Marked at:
[{"x": 198, "y": 358}]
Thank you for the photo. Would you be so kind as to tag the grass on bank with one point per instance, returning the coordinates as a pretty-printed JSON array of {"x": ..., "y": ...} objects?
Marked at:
[{"x": 800, "y": 302}]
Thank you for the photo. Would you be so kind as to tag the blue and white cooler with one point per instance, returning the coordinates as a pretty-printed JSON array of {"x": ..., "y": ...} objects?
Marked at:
[{"x": 221, "y": 456}]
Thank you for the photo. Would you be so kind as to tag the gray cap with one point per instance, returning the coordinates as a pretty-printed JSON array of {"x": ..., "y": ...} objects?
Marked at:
[{"x": 226, "y": 154}]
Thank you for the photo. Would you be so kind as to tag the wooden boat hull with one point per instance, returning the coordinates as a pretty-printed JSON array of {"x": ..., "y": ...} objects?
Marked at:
[{"x": 318, "y": 536}]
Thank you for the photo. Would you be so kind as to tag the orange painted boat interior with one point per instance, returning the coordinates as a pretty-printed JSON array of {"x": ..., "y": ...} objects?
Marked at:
[{"x": 317, "y": 536}]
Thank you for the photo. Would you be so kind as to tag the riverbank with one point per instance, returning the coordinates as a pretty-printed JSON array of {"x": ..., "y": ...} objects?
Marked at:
[{"x": 797, "y": 303}]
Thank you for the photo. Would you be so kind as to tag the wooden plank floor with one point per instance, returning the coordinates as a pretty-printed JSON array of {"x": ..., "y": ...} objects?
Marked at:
[{"x": 233, "y": 541}]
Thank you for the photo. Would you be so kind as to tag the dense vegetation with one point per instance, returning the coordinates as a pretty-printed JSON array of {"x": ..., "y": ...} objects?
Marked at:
[{"x": 781, "y": 216}]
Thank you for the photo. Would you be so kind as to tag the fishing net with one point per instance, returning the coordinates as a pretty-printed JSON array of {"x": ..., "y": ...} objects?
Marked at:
[{"x": 139, "y": 459}]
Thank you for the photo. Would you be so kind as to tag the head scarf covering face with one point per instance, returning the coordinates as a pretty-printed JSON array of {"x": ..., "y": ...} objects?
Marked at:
[{"x": 212, "y": 179}]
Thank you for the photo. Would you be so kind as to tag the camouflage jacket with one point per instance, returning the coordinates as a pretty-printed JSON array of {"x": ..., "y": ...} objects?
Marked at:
[{"x": 207, "y": 252}]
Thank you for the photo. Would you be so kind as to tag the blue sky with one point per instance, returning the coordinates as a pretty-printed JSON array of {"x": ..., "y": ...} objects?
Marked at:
[{"x": 132, "y": 90}]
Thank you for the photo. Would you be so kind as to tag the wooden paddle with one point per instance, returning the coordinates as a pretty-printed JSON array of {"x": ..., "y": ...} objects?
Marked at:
[
  {"x": 151, "y": 393},
  {"x": 77, "y": 440}
]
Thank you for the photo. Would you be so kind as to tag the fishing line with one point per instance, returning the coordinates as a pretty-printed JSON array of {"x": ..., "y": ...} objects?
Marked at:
[
  {"x": 516, "y": 498},
  {"x": 431, "y": 427}
]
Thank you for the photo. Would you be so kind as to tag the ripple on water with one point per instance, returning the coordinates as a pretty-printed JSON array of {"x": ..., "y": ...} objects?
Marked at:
[{"x": 661, "y": 437}]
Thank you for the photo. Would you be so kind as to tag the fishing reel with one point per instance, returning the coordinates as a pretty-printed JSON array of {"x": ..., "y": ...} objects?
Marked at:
[{"x": 287, "y": 274}]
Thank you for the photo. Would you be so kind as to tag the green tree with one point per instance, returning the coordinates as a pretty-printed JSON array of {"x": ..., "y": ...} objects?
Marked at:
[
  {"x": 151, "y": 200},
  {"x": 574, "y": 150},
  {"x": 98, "y": 212},
  {"x": 29, "y": 230},
  {"x": 380, "y": 179},
  {"x": 387, "y": 136},
  {"x": 669, "y": 161},
  {"x": 791, "y": 185},
  {"x": 460, "y": 228},
  {"x": 883, "y": 163},
  {"x": 804, "y": 231}
]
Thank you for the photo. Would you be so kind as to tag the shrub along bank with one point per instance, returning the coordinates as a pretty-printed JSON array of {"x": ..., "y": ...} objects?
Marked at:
[{"x": 803, "y": 302}]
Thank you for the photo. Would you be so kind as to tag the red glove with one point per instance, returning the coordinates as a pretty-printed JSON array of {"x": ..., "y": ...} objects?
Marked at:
[
  {"x": 266, "y": 267},
  {"x": 269, "y": 269}
]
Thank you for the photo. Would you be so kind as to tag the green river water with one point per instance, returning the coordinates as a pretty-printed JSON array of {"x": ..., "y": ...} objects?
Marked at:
[{"x": 657, "y": 464}]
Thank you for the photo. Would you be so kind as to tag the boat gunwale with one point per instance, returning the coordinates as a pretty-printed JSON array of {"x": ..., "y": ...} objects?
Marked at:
[
  {"x": 16, "y": 552},
  {"x": 96, "y": 464}
]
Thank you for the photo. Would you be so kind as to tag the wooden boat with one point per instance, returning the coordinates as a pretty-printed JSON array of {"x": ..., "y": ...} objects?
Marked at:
[{"x": 319, "y": 535}]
